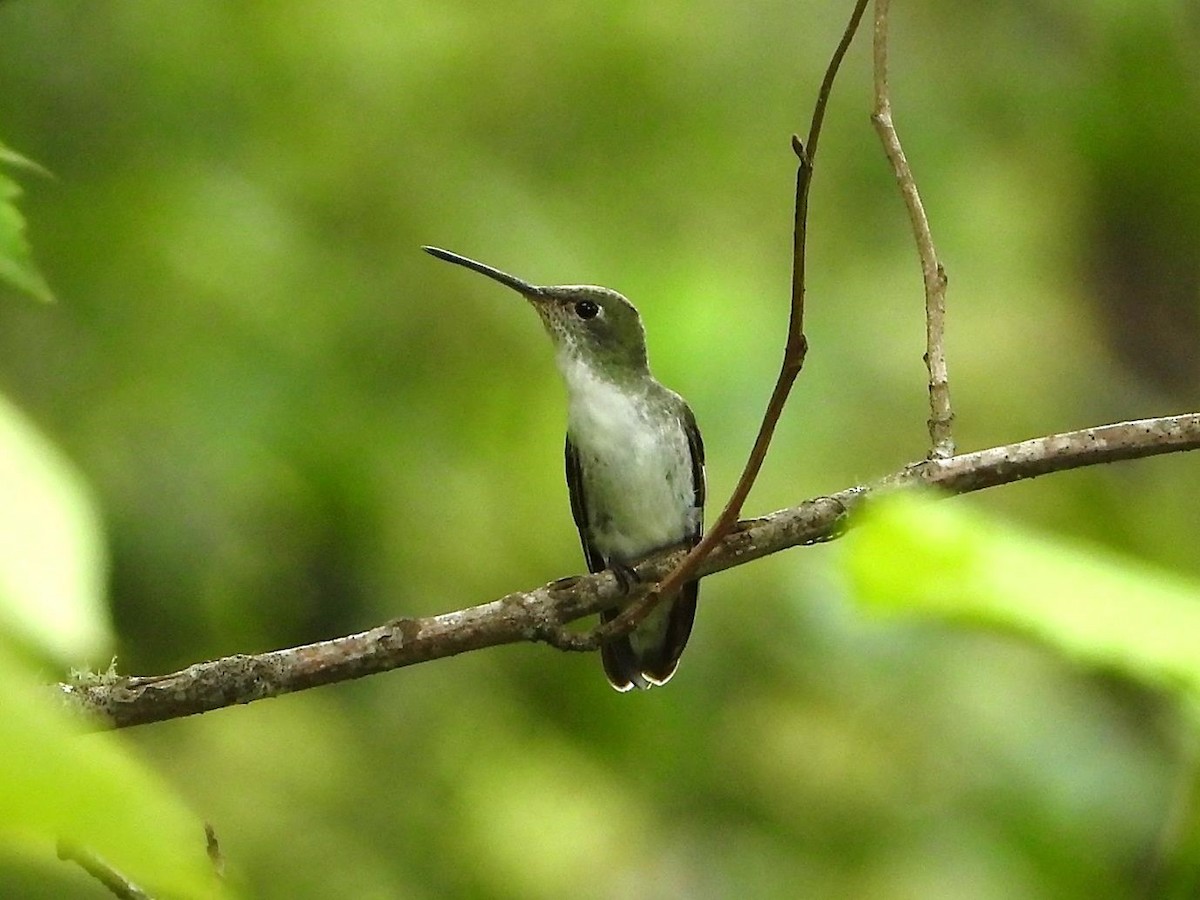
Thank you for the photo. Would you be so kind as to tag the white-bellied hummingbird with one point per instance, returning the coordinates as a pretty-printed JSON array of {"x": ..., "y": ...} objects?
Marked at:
[{"x": 635, "y": 462}]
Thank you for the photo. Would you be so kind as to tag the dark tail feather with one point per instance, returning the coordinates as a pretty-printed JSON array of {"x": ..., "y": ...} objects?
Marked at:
[
  {"x": 658, "y": 666},
  {"x": 620, "y": 664},
  {"x": 625, "y": 670}
]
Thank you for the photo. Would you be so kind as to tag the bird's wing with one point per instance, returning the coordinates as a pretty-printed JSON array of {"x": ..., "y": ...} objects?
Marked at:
[
  {"x": 595, "y": 562},
  {"x": 696, "y": 445}
]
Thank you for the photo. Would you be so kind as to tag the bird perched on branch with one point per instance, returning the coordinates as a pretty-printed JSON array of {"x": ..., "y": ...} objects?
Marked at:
[{"x": 635, "y": 461}]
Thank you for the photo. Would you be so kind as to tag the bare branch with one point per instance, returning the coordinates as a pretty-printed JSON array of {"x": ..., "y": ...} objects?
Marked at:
[
  {"x": 941, "y": 414},
  {"x": 539, "y": 614}
]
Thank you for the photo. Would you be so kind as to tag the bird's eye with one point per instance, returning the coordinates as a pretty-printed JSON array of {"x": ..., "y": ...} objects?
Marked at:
[{"x": 586, "y": 309}]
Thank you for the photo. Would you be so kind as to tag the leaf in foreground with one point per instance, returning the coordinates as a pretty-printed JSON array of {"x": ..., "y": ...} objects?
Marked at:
[
  {"x": 917, "y": 556},
  {"x": 52, "y": 558},
  {"x": 59, "y": 783}
]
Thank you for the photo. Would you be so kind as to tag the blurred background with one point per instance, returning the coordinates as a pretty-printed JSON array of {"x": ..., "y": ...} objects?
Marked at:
[{"x": 297, "y": 425}]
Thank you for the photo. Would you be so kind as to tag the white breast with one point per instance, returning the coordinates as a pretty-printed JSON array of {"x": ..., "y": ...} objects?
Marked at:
[{"x": 636, "y": 467}]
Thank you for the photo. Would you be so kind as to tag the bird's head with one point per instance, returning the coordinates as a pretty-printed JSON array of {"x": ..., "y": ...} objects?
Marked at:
[{"x": 591, "y": 325}]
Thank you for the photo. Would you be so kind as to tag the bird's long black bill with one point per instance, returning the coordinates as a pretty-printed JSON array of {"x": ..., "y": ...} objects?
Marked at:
[{"x": 517, "y": 284}]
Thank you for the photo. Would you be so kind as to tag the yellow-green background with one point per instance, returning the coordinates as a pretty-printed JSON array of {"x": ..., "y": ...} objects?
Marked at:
[{"x": 298, "y": 425}]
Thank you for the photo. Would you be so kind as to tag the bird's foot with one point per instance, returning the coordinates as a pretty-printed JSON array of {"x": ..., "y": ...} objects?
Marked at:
[{"x": 627, "y": 577}]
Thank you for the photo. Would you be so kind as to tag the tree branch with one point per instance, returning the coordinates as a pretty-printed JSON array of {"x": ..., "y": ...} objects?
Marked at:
[
  {"x": 539, "y": 614},
  {"x": 941, "y": 414}
]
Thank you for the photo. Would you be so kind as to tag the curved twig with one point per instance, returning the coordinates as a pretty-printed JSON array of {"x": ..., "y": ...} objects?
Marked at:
[{"x": 794, "y": 353}]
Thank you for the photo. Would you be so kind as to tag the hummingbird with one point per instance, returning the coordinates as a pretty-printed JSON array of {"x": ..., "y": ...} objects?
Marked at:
[{"x": 634, "y": 459}]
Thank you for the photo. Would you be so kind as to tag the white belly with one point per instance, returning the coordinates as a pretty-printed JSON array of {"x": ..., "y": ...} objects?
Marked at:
[{"x": 636, "y": 471}]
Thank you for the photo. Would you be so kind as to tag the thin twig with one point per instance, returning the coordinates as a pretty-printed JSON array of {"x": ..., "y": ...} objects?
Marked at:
[
  {"x": 537, "y": 615},
  {"x": 213, "y": 848},
  {"x": 795, "y": 350},
  {"x": 116, "y": 883},
  {"x": 941, "y": 414}
]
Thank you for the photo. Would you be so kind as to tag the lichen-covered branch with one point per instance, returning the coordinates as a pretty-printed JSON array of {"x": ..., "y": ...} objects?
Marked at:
[{"x": 539, "y": 614}]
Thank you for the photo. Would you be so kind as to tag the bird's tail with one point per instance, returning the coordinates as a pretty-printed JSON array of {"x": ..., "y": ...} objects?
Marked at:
[{"x": 650, "y": 655}]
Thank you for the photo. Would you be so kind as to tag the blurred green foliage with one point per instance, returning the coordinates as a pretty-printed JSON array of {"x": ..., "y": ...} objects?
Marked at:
[
  {"x": 52, "y": 559},
  {"x": 59, "y": 783},
  {"x": 296, "y": 424},
  {"x": 909, "y": 556}
]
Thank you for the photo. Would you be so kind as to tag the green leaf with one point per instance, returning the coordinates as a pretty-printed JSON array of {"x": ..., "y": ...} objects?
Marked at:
[
  {"x": 914, "y": 556},
  {"x": 52, "y": 559},
  {"x": 57, "y": 783},
  {"x": 17, "y": 267}
]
